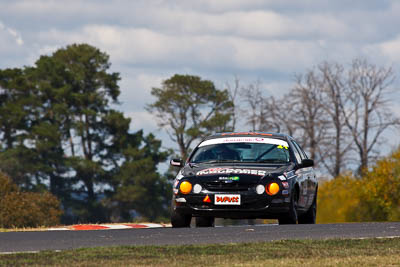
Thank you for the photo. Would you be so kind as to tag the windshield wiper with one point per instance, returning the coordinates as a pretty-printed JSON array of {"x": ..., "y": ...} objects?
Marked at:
[
  {"x": 264, "y": 153},
  {"x": 193, "y": 165},
  {"x": 222, "y": 160},
  {"x": 271, "y": 161}
]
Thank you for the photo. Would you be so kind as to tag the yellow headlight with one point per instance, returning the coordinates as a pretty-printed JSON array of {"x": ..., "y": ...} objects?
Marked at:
[
  {"x": 272, "y": 189},
  {"x": 185, "y": 187}
]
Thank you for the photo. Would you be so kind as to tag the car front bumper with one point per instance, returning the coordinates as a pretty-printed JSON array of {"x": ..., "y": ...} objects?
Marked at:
[{"x": 252, "y": 207}]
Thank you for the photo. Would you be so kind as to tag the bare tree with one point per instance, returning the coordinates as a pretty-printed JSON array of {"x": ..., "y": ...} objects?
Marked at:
[
  {"x": 298, "y": 113},
  {"x": 308, "y": 112},
  {"x": 279, "y": 115},
  {"x": 233, "y": 93},
  {"x": 340, "y": 115},
  {"x": 367, "y": 114},
  {"x": 334, "y": 153},
  {"x": 254, "y": 111}
]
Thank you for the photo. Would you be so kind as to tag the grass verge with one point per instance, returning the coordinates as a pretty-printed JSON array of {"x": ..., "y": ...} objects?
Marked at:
[{"x": 335, "y": 252}]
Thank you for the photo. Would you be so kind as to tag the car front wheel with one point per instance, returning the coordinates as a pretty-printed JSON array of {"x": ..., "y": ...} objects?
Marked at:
[
  {"x": 179, "y": 220},
  {"x": 291, "y": 216},
  {"x": 204, "y": 221},
  {"x": 310, "y": 216}
]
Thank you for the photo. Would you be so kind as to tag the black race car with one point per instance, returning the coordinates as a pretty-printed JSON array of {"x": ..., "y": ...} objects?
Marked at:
[{"x": 245, "y": 175}]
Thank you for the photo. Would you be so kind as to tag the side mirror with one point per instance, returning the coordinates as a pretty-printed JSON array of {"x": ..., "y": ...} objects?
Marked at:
[
  {"x": 306, "y": 163},
  {"x": 176, "y": 162}
]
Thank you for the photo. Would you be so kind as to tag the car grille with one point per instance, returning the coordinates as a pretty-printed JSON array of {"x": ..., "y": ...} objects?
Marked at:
[{"x": 222, "y": 186}]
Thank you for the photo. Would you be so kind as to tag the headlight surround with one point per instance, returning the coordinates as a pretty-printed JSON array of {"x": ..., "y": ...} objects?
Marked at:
[
  {"x": 197, "y": 188},
  {"x": 260, "y": 189},
  {"x": 185, "y": 187},
  {"x": 272, "y": 189}
]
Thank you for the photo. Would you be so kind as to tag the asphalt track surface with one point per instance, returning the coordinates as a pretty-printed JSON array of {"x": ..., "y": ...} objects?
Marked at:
[{"x": 60, "y": 240}]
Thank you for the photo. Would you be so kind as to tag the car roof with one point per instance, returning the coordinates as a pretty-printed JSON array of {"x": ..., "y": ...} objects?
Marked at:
[{"x": 247, "y": 134}]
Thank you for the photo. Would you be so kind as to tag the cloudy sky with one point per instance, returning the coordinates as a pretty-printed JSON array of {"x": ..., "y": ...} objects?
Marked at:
[{"x": 150, "y": 40}]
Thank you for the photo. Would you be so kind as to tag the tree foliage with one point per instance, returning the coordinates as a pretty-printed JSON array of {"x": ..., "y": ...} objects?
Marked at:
[
  {"x": 138, "y": 185},
  {"x": 60, "y": 133},
  {"x": 26, "y": 209},
  {"x": 189, "y": 108},
  {"x": 373, "y": 197}
]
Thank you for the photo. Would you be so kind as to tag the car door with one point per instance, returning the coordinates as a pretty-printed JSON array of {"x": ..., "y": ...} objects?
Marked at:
[
  {"x": 311, "y": 178},
  {"x": 302, "y": 179}
]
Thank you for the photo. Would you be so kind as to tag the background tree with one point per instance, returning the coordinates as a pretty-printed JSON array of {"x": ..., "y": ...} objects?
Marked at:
[
  {"x": 26, "y": 209},
  {"x": 233, "y": 94},
  {"x": 372, "y": 197},
  {"x": 279, "y": 115},
  {"x": 66, "y": 99},
  {"x": 308, "y": 112},
  {"x": 13, "y": 96},
  {"x": 329, "y": 109},
  {"x": 59, "y": 133},
  {"x": 367, "y": 113},
  {"x": 16, "y": 103},
  {"x": 138, "y": 185},
  {"x": 190, "y": 108},
  {"x": 299, "y": 112},
  {"x": 335, "y": 151},
  {"x": 253, "y": 97}
]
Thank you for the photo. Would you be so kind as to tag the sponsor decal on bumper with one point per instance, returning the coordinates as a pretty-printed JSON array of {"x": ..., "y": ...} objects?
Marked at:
[{"x": 223, "y": 199}]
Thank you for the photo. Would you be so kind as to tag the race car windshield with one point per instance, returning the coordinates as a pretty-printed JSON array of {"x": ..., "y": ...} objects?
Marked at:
[{"x": 212, "y": 151}]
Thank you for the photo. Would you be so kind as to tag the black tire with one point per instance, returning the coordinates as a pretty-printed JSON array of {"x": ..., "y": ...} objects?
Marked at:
[
  {"x": 180, "y": 220},
  {"x": 291, "y": 216},
  {"x": 311, "y": 215},
  {"x": 204, "y": 221}
]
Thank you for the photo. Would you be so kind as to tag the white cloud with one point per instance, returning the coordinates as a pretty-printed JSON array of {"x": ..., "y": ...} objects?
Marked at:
[
  {"x": 235, "y": 18},
  {"x": 16, "y": 36},
  {"x": 277, "y": 55},
  {"x": 136, "y": 89},
  {"x": 142, "y": 120},
  {"x": 12, "y": 48},
  {"x": 391, "y": 49},
  {"x": 137, "y": 46},
  {"x": 9, "y": 33}
]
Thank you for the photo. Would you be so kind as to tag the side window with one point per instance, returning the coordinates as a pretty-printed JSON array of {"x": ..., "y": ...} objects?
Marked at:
[
  {"x": 302, "y": 153},
  {"x": 297, "y": 154}
]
